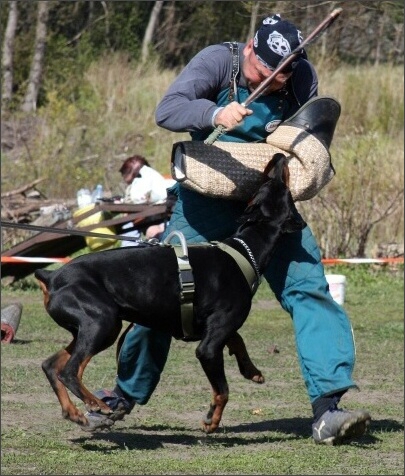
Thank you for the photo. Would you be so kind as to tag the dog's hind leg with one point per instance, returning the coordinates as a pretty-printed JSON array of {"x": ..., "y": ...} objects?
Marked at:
[
  {"x": 90, "y": 342},
  {"x": 52, "y": 368},
  {"x": 237, "y": 347}
]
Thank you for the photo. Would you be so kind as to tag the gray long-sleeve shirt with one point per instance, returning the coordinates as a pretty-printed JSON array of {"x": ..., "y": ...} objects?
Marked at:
[{"x": 189, "y": 103}]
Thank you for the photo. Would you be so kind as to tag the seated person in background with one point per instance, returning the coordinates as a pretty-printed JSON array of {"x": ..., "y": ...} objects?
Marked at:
[{"x": 144, "y": 186}]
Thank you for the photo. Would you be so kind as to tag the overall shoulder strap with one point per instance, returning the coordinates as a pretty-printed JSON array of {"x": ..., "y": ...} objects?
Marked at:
[{"x": 233, "y": 84}]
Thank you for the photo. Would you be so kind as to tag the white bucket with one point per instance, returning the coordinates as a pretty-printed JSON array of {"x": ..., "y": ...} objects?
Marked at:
[{"x": 337, "y": 287}]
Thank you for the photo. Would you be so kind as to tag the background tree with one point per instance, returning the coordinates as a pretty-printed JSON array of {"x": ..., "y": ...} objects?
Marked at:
[
  {"x": 79, "y": 32},
  {"x": 96, "y": 98},
  {"x": 147, "y": 39},
  {"x": 34, "y": 82},
  {"x": 8, "y": 53}
]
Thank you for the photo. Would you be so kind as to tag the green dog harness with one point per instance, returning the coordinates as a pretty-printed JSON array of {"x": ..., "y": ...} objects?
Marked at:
[{"x": 186, "y": 279}]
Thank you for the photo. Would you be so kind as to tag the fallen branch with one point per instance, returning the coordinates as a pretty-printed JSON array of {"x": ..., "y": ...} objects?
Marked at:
[{"x": 22, "y": 189}]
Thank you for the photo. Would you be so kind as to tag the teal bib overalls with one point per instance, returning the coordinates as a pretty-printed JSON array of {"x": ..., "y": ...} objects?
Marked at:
[{"x": 323, "y": 333}]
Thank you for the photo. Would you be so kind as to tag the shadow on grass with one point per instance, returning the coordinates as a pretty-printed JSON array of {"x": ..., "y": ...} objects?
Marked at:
[
  {"x": 20, "y": 342},
  {"x": 282, "y": 430}
]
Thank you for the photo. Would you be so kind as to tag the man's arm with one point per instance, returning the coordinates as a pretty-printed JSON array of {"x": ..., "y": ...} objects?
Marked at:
[{"x": 189, "y": 103}]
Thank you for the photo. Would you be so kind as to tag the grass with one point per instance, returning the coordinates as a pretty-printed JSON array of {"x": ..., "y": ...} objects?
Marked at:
[{"x": 265, "y": 429}]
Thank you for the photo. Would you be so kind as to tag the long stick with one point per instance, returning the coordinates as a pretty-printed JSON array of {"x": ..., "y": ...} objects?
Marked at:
[
  {"x": 218, "y": 131},
  {"x": 65, "y": 231}
]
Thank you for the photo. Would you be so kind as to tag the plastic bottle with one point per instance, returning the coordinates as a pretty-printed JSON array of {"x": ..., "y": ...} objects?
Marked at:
[
  {"x": 97, "y": 193},
  {"x": 83, "y": 197}
]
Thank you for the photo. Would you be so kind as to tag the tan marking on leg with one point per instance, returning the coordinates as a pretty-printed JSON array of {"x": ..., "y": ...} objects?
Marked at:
[
  {"x": 214, "y": 415},
  {"x": 91, "y": 401},
  {"x": 56, "y": 365}
]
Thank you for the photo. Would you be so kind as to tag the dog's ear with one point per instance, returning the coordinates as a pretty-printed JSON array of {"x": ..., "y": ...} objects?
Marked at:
[
  {"x": 294, "y": 221},
  {"x": 292, "y": 224},
  {"x": 251, "y": 213}
]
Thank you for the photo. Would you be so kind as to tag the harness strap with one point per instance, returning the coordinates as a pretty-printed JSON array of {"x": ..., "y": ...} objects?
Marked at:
[
  {"x": 187, "y": 289},
  {"x": 243, "y": 263},
  {"x": 187, "y": 285},
  {"x": 233, "y": 84}
]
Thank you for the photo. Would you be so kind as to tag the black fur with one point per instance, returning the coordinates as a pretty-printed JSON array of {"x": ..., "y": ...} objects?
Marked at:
[{"x": 91, "y": 296}]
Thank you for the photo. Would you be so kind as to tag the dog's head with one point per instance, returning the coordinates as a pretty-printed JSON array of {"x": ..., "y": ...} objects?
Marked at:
[
  {"x": 277, "y": 169},
  {"x": 273, "y": 201}
]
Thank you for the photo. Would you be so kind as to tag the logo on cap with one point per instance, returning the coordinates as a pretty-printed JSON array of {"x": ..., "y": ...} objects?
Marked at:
[{"x": 279, "y": 44}]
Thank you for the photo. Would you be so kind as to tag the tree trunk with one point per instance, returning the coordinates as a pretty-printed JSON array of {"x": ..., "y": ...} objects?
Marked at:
[
  {"x": 8, "y": 53},
  {"x": 380, "y": 38},
  {"x": 253, "y": 20},
  {"x": 31, "y": 97},
  {"x": 147, "y": 39}
]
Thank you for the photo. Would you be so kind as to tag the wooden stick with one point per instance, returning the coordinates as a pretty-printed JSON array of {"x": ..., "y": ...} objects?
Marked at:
[{"x": 22, "y": 189}]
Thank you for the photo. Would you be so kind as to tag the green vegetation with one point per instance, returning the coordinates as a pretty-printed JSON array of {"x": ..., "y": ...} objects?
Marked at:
[
  {"x": 98, "y": 95},
  {"x": 78, "y": 144},
  {"x": 266, "y": 428}
]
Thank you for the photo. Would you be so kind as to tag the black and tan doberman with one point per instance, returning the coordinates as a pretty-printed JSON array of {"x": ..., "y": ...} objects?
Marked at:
[{"x": 91, "y": 295}]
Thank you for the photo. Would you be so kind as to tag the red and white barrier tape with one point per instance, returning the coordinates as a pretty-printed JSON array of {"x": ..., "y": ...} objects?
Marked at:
[
  {"x": 23, "y": 259},
  {"x": 362, "y": 260}
]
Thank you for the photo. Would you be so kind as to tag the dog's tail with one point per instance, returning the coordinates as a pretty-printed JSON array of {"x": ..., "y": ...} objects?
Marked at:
[{"x": 42, "y": 275}]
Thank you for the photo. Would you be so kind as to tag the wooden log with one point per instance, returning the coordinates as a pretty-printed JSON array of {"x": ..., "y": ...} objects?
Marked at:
[{"x": 22, "y": 189}]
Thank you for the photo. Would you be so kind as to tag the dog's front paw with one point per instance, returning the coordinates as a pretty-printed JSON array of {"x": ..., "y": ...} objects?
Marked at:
[
  {"x": 207, "y": 427},
  {"x": 250, "y": 371},
  {"x": 258, "y": 378},
  {"x": 207, "y": 424}
]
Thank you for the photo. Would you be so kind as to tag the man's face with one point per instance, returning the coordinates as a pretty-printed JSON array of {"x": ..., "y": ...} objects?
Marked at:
[{"x": 255, "y": 72}]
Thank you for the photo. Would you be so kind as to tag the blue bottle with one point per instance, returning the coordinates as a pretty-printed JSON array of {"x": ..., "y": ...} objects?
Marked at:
[{"x": 97, "y": 193}]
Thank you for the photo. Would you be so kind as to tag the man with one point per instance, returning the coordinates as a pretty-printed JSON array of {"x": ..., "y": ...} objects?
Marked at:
[{"x": 200, "y": 99}]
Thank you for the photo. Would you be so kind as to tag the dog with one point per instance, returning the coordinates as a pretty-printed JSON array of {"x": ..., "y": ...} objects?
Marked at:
[{"x": 91, "y": 295}]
